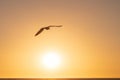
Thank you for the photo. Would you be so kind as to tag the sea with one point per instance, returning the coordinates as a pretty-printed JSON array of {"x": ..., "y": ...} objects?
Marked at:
[{"x": 59, "y": 78}]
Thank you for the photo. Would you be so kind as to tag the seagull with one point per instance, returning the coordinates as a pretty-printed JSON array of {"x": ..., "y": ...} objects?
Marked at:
[{"x": 47, "y": 28}]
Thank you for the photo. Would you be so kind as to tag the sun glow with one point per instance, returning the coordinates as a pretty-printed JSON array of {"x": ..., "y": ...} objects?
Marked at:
[{"x": 51, "y": 60}]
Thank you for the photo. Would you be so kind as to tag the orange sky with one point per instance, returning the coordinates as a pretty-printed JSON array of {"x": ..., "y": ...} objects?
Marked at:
[{"x": 88, "y": 42}]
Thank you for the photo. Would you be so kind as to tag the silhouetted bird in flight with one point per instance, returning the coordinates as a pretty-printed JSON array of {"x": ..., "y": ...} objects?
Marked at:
[{"x": 47, "y": 28}]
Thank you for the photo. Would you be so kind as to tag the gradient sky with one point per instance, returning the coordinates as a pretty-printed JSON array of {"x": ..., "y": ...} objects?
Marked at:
[{"x": 89, "y": 40}]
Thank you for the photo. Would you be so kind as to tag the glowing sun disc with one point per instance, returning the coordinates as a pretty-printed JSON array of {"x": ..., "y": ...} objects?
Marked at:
[{"x": 51, "y": 60}]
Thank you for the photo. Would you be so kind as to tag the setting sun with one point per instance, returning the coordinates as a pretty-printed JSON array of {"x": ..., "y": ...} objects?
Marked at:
[{"x": 51, "y": 60}]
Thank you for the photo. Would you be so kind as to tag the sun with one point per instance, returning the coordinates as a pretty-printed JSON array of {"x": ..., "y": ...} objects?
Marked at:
[{"x": 51, "y": 60}]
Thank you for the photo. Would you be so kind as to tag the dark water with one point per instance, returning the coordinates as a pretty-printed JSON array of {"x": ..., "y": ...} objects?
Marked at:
[{"x": 59, "y": 78}]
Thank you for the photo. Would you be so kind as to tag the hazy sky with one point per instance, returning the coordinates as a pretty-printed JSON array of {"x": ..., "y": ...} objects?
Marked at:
[{"x": 89, "y": 41}]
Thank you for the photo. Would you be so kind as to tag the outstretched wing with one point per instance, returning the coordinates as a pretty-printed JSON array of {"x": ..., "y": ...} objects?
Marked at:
[
  {"x": 59, "y": 26},
  {"x": 39, "y": 31},
  {"x": 55, "y": 26}
]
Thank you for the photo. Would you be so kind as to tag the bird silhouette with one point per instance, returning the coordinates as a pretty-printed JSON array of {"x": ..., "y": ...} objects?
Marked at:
[{"x": 47, "y": 28}]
